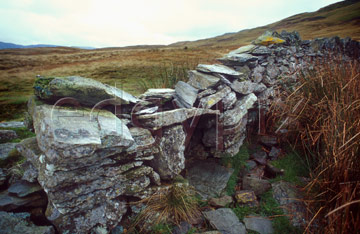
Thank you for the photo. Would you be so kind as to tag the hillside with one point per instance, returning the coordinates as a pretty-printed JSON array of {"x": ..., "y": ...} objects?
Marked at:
[
  {"x": 340, "y": 19},
  {"x": 128, "y": 67}
]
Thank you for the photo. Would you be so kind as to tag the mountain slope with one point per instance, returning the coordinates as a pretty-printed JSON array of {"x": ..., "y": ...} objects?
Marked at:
[{"x": 340, "y": 19}]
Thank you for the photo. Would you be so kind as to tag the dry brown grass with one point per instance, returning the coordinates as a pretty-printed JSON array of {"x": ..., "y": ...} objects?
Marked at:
[
  {"x": 170, "y": 205},
  {"x": 324, "y": 116}
]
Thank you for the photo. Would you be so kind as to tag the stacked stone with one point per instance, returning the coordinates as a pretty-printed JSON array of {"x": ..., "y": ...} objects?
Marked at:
[
  {"x": 91, "y": 161},
  {"x": 246, "y": 80}
]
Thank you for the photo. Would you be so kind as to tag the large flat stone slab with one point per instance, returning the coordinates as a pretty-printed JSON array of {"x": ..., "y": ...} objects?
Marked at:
[
  {"x": 86, "y": 91},
  {"x": 208, "y": 178},
  {"x": 167, "y": 118}
]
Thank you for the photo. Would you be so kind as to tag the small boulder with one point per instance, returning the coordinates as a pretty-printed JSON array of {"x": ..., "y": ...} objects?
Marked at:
[
  {"x": 246, "y": 197},
  {"x": 259, "y": 224},
  {"x": 225, "y": 221},
  {"x": 208, "y": 178},
  {"x": 221, "y": 201},
  {"x": 259, "y": 186}
]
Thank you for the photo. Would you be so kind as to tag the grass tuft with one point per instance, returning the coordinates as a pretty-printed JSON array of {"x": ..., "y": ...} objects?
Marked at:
[{"x": 169, "y": 205}]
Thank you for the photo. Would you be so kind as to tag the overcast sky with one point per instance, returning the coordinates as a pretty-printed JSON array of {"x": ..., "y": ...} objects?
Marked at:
[{"x": 104, "y": 23}]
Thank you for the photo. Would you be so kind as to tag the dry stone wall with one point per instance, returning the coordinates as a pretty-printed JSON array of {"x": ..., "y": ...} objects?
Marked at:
[{"x": 97, "y": 147}]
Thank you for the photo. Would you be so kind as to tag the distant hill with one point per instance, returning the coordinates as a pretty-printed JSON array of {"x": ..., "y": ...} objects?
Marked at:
[
  {"x": 339, "y": 19},
  {"x": 6, "y": 45}
]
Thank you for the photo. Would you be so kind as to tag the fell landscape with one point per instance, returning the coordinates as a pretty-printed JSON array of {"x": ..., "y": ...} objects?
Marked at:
[{"x": 283, "y": 97}]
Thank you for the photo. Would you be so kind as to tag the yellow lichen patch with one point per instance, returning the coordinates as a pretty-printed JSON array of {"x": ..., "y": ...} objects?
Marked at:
[
  {"x": 245, "y": 197},
  {"x": 268, "y": 40},
  {"x": 211, "y": 102}
]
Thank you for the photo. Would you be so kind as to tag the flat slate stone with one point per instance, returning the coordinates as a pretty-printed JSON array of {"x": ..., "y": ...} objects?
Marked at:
[
  {"x": 22, "y": 188},
  {"x": 225, "y": 221},
  {"x": 259, "y": 224},
  {"x": 243, "y": 49},
  {"x": 185, "y": 94},
  {"x": 12, "y": 124},
  {"x": 217, "y": 68},
  {"x": 158, "y": 93},
  {"x": 208, "y": 178},
  {"x": 202, "y": 80},
  {"x": 237, "y": 59}
]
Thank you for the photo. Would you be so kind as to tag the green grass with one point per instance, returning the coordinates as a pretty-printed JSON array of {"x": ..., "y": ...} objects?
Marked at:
[
  {"x": 161, "y": 229},
  {"x": 293, "y": 166},
  {"x": 270, "y": 208},
  {"x": 22, "y": 133},
  {"x": 238, "y": 163},
  {"x": 14, "y": 158},
  {"x": 12, "y": 108}
]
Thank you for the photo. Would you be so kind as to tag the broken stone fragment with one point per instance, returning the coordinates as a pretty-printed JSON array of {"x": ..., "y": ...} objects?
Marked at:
[
  {"x": 221, "y": 201},
  {"x": 202, "y": 80},
  {"x": 247, "y": 87},
  {"x": 185, "y": 94},
  {"x": 86, "y": 91},
  {"x": 170, "y": 160},
  {"x": 210, "y": 101},
  {"x": 235, "y": 115}
]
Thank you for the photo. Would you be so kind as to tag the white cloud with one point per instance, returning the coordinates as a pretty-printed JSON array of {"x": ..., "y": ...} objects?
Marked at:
[{"x": 119, "y": 23}]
